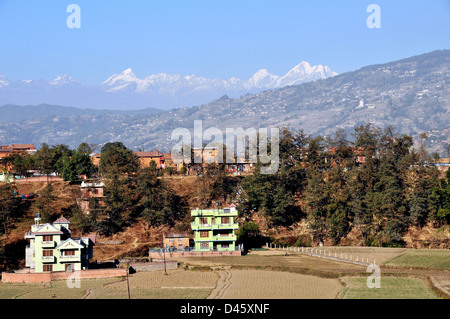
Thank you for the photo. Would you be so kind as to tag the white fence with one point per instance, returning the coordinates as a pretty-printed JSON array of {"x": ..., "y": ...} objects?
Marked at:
[{"x": 322, "y": 252}]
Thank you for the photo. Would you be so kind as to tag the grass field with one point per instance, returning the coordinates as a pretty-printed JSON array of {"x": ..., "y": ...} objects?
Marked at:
[
  {"x": 431, "y": 258},
  {"x": 391, "y": 288}
]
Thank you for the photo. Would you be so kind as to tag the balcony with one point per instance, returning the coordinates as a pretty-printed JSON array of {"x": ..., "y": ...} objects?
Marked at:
[
  {"x": 220, "y": 237},
  {"x": 29, "y": 235},
  {"x": 214, "y": 213},
  {"x": 195, "y": 226},
  {"x": 228, "y": 226},
  {"x": 48, "y": 259},
  {"x": 48, "y": 244},
  {"x": 228, "y": 237},
  {"x": 69, "y": 258}
]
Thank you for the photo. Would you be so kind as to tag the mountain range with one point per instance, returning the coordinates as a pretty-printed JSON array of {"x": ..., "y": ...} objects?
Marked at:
[
  {"x": 412, "y": 94},
  {"x": 125, "y": 91}
]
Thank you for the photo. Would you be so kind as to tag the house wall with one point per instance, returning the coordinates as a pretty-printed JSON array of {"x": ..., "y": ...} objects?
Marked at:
[
  {"x": 176, "y": 241},
  {"x": 51, "y": 276},
  {"x": 194, "y": 254},
  {"x": 145, "y": 161},
  {"x": 153, "y": 266}
]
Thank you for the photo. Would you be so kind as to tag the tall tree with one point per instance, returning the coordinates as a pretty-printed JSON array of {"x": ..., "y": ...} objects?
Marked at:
[
  {"x": 157, "y": 203},
  {"x": 119, "y": 202},
  {"x": 116, "y": 157},
  {"x": 45, "y": 203},
  {"x": 9, "y": 206}
]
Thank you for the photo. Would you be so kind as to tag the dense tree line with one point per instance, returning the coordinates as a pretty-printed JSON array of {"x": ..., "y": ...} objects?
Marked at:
[
  {"x": 390, "y": 188},
  {"x": 130, "y": 194},
  {"x": 59, "y": 159},
  {"x": 372, "y": 182}
]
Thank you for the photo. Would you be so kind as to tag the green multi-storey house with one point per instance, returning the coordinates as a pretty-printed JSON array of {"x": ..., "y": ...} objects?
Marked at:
[
  {"x": 52, "y": 248},
  {"x": 214, "y": 229}
]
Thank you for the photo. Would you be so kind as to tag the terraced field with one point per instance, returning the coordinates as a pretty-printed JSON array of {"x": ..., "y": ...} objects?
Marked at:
[
  {"x": 430, "y": 258},
  {"x": 391, "y": 288},
  {"x": 405, "y": 274},
  {"x": 265, "y": 284}
]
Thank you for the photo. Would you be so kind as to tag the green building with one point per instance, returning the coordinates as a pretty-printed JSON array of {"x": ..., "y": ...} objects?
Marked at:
[
  {"x": 52, "y": 248},
  {"x": 214, "y": 229}
]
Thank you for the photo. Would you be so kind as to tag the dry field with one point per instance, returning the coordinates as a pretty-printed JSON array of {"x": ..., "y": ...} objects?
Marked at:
[
  {"x": 177, "y": 284},
  {"x": 266, "y": 284},
  {"x": 54, "y": 290},
  {"x": 442, "y": 282},
  {"x": 270, "y": 275},
  {"x": 302, "y": 264},
  {"x": 377, "y": 254}
]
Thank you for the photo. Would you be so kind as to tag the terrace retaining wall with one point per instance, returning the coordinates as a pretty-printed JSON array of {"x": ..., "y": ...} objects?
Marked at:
[
  {"x": 178, "y": 254},
  {"x": 61, "y": 275}
]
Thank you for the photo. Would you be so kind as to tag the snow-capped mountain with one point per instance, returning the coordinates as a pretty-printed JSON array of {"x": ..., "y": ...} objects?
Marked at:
[
  {"x": 3, "y": 81},
  {"x": 304, "y": 72},
  {"x": 262, "y": 79},
  {"x": 163, "y": 91},
  {"x": 63, "y": 80}
]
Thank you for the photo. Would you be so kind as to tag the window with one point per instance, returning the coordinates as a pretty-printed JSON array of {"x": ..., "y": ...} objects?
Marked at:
[
  {"x": 203, "y": 220},
  {"x": 204, "y": 234},
  {"x": 213, "y": 220},
  {"x": 225, "y": 220},
  {"x": 204, "y": 246},
  {"x": 48, "y": 238},
  {"x": 171, "y": 240},
  {"x": 48, "y": 268},
  {"x": 47, "y": 253},
  {"x": 69, "y": 252}
]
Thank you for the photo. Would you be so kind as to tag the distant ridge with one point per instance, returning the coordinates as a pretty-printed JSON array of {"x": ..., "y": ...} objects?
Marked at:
[
  {"x": 19, "y": 113},
  {"x": 411, "y": 94},
  {"x": 125, "y": 91}
]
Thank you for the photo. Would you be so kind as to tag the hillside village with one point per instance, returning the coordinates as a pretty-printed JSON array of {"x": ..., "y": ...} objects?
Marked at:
[{"x": 202, "y": 210}]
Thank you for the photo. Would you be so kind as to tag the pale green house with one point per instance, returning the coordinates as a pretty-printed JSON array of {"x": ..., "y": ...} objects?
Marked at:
[
  {"x": 214, "y": 229},
  {"x": 6, "y": 178},
  {"x": 52, "y": 248}
]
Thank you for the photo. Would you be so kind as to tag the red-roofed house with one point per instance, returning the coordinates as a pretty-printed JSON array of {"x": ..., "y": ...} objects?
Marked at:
[
  {"x": 146, "y": 157},
  {"x": 22, "y": 148}
]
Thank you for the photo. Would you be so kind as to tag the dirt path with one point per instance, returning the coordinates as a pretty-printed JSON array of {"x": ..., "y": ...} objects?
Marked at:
[
  {"x": 86, "y": 293},
  {"x": 223, "y": 283}
]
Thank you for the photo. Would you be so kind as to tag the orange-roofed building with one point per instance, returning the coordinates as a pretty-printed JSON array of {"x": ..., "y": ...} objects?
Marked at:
[
  {"x": 95, "y": 158},
  {"x": 145, "y": 158},
  {"x": 22, "y": 148},
  {"x": 5, "y": 152}
]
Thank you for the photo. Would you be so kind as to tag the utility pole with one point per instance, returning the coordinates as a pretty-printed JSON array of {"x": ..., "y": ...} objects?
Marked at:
[
  {"x": 128, "y": 282},
  {"x": 164, "y": 257}
]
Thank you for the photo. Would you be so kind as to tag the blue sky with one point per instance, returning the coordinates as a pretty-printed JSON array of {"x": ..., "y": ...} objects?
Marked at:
[{"x": 214, "y": 38}]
